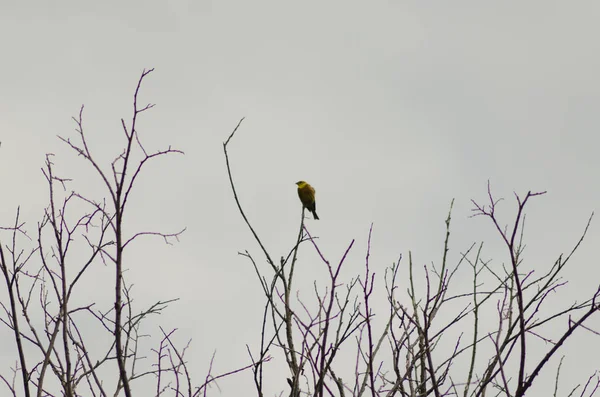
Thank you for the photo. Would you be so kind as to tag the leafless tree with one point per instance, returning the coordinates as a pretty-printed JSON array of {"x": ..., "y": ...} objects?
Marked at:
[
  {"x": 57, "y": 354},
  {"x": 432, "y": 339}
]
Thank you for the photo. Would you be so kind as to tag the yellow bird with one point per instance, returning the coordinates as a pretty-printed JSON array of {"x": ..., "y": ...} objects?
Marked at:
[{"x": 307, "y": 197}]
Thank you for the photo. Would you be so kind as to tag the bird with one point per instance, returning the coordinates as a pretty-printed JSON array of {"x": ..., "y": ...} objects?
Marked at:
[{"x": 307, "y": 197}]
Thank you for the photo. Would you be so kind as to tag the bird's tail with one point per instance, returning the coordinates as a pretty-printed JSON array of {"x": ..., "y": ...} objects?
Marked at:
[{"x": 314, "y": 212}]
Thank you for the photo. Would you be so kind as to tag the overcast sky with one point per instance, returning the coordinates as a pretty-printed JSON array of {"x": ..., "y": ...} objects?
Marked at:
[{"x": 390, "y": 109}]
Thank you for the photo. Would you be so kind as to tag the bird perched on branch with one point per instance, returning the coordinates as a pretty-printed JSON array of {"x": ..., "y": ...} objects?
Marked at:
[{"x": 307, "y": 197}]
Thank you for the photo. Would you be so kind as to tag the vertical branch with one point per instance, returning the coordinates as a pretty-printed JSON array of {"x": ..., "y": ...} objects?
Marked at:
[
  {"x": 10, "y": 280},
  {"x": 475, "y": 322},
  {"x": 287, "y": 286},
  {"x": 420, "y": 366},
  {"x": 57, "y": 222},
  {"x": 119, "y": 212},
  {"x": 514, "y": 252},
  {"x": 367, "y": 287}
]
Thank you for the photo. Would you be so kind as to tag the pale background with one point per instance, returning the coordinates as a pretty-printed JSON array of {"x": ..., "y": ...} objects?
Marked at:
[{"x": 389, "y": 108}]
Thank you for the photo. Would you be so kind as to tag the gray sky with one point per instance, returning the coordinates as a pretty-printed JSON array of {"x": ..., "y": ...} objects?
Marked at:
[{"x": 388, "y": 108}]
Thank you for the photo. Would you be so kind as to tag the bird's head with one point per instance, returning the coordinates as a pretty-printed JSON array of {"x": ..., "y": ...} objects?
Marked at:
[{"x": 300, "y": 183}]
